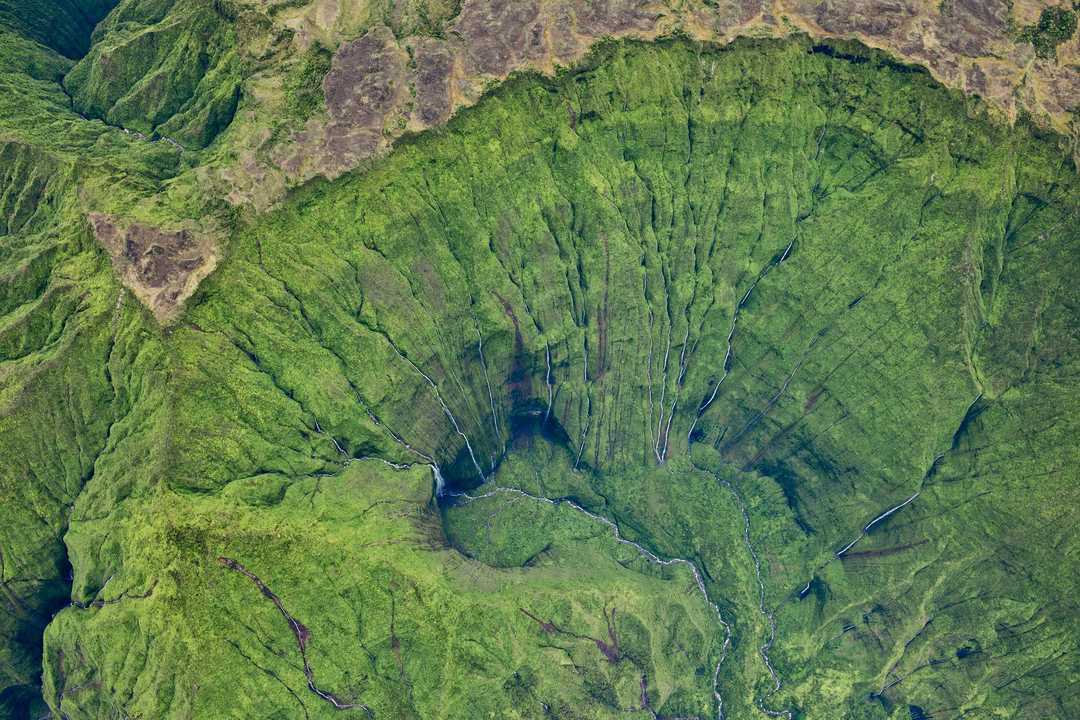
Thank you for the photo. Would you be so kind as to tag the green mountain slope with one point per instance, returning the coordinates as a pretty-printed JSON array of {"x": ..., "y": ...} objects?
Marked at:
[
  {"x": 798, "y": 321},
  {"x": 168, "y": 69}
]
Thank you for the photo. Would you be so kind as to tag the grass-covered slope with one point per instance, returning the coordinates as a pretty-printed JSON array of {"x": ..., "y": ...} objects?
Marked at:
[
  {"x": 75, "y": 353},
  {"x": 73, "y": 358},
  {"x": 333, "y": 596},
  {"x": 744, "y": 303}
]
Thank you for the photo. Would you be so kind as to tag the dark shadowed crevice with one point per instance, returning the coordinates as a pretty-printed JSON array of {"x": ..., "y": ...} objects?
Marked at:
[
  {"x": 528, "y": 425},
  {"x": 37, "y": 610},
  {"x": 63, "y": 25}
]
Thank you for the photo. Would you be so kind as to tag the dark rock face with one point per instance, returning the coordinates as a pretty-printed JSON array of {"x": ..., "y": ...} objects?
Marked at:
[
  {"x": 852, "y": 16},
  {"x": 161, "y": 267},
  {"x": 434, "y": 66},
  {"x": 157, "y": 255},
  {"x": 973, "y": 24},
  {"x": 360, "y": 85},
  {"x": 496, "y": 33},
  {"x": 727, "y": 14},
  {"x": 610, "y": 17},
  {"x": 365, "y": 84}
]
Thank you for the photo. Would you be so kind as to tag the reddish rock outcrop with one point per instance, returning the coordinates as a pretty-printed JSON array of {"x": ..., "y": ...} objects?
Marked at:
[{"x": 161, "y": 267}]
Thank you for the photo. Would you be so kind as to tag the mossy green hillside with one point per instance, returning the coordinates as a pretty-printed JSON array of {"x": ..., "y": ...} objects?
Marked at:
[
  {"x": 801, "y": 281},
  {"x": 392, "y": 621},
  {"x": 111, "y": 169},
  {"x": 69, "y": 342}
]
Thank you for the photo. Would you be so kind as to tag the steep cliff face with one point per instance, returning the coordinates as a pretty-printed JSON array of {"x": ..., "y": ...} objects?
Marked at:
[
  {"x": 419, "y": 62},
  {"x": 261, "y": 97},
  {"x": 690, "y": 381}
]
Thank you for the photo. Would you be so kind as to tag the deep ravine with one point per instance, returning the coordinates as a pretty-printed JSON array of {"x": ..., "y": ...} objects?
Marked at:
[{"x": 441, "y": 490}]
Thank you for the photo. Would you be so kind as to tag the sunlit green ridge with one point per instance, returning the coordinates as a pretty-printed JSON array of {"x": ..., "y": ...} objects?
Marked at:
[{"x": 673, "y": 285}]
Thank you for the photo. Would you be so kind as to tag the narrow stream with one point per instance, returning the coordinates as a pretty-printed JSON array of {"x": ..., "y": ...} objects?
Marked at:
[
  {"x": 842, "y": 551},
  {"x": 769, "y": 616},
  {"x": 617, "y": 534},
  {"x": 656, "y": 559},
  {"x": 729, "y": 355}
]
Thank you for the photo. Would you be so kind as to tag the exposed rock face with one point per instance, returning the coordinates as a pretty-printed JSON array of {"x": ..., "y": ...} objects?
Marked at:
[
  {"x": 878, "y": 19},
  {"x": 976, "y": 23},
  {"x": 382, "y": 86},
  {"x": 966, "y": 44},
  {"x": 364, "y": 86},
  {"x": 434, "y": 67},
  {"x": 161, "y": 267},
  {"x": 615, "y": 17},
  {"x": 499, "y": 35}
]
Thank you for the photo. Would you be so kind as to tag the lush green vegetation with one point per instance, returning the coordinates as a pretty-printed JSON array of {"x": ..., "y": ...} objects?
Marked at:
[
  {"x": 1056, "y": 25},
  {"x": 168, "y": 69},
  {"x": 303, "y": 89},
  {"x": 741, "y": 302}
]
